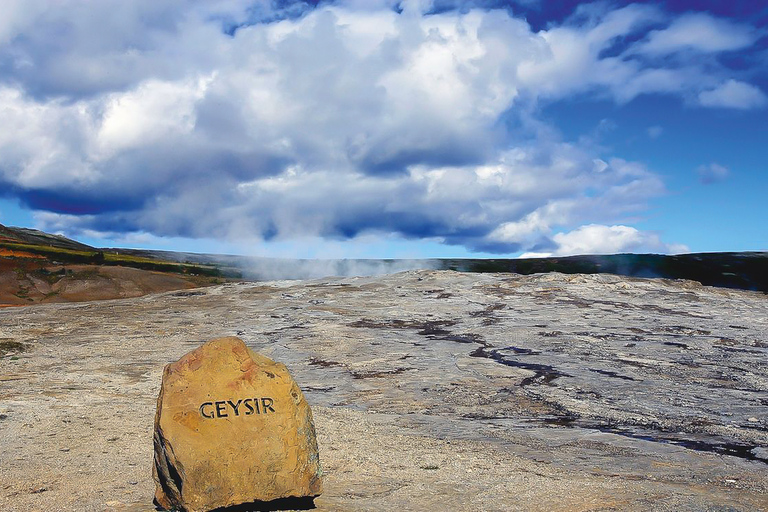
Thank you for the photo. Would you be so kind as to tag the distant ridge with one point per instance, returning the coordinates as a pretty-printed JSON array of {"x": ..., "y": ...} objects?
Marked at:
[
  {"x": 25, "y": 244},
  {"x": 37, "y": 267},
  {"x": 741, "y": 270},
  {"x": 36, "y": 237}
]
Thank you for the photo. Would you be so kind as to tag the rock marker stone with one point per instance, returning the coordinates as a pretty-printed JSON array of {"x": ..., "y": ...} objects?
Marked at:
[{"x": 232, "y": 427}]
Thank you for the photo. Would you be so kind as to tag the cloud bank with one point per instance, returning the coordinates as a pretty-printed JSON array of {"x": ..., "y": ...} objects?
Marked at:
[{"x": 236, "y": 120}]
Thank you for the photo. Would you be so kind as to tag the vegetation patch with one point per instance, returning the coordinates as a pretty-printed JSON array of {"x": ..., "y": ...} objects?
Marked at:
[
  {"x": 23, "y": 292},
  {"x": 8, "y": 347},
  {"x": 98, "y": 257},
  {"x": 51, "y": 276}
]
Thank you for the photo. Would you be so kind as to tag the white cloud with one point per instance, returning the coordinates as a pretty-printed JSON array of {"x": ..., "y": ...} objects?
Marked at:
[
  {"x": 733, "y": 94},
  {"x": 712, "y": 173},
  {"x": 600, "y": 239},
  {"x": 41, "y": 143},
  {"x": 347, "y": 121},
  {"x": 700, "y": 32},
  {"x": 567, "y": 58},
  {"x": 595, "y": 58},
  {"x": 152, "y": 111}
]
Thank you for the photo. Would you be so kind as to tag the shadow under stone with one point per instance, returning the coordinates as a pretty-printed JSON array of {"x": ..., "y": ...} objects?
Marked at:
[{"x": 304, "y": 503}]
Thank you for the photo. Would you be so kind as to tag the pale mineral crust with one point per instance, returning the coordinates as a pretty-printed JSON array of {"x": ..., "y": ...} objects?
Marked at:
[
  {"x": 232, "y": 427},
  {"x": 430, "y": 390}
]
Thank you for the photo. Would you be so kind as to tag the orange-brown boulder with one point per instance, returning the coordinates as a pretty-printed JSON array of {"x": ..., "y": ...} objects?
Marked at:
[{"x": 232, "y": 427}]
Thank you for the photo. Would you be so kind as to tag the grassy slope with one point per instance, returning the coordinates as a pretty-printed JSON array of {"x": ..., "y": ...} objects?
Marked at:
[
  {"x": 99, "y": 257},
  {"x": 38, "y": 267}
]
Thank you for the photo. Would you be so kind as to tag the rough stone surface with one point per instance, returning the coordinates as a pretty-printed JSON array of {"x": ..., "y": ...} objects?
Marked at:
[
  {"x": 232, "y": 427},
  {"x": 429, "y": 390}
]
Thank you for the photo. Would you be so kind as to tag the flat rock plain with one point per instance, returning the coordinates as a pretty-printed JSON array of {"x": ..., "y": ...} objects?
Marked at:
[{"x": 431, "y": 390}]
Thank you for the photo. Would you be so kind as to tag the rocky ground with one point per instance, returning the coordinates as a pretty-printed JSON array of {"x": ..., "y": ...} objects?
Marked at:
[{"x": 431, "y": 391}]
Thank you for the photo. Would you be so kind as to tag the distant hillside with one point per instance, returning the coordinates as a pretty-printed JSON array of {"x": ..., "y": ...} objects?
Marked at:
[
  {"x": 742, "y": 270},
  {"x": 35, "y": 237},
  {"x": 56, "y": 249},
  {"x": 39, "y": 267}
]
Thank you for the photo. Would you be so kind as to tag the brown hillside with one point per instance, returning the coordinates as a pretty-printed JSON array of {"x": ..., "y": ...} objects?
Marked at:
[
  {"x": 25, "y": 281},
  {"x": 38, "y": 267}
]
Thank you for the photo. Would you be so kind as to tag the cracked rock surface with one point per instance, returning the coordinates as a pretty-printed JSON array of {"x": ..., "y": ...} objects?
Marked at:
[{"x": 431, "y": 390}]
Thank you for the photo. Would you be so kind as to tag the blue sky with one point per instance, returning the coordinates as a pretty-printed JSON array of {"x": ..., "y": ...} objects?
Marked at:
[{"x": 385, "y": 128}]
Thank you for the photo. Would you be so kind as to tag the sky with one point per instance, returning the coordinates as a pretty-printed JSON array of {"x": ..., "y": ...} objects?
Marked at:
[{"x": 387, "y": 128}]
